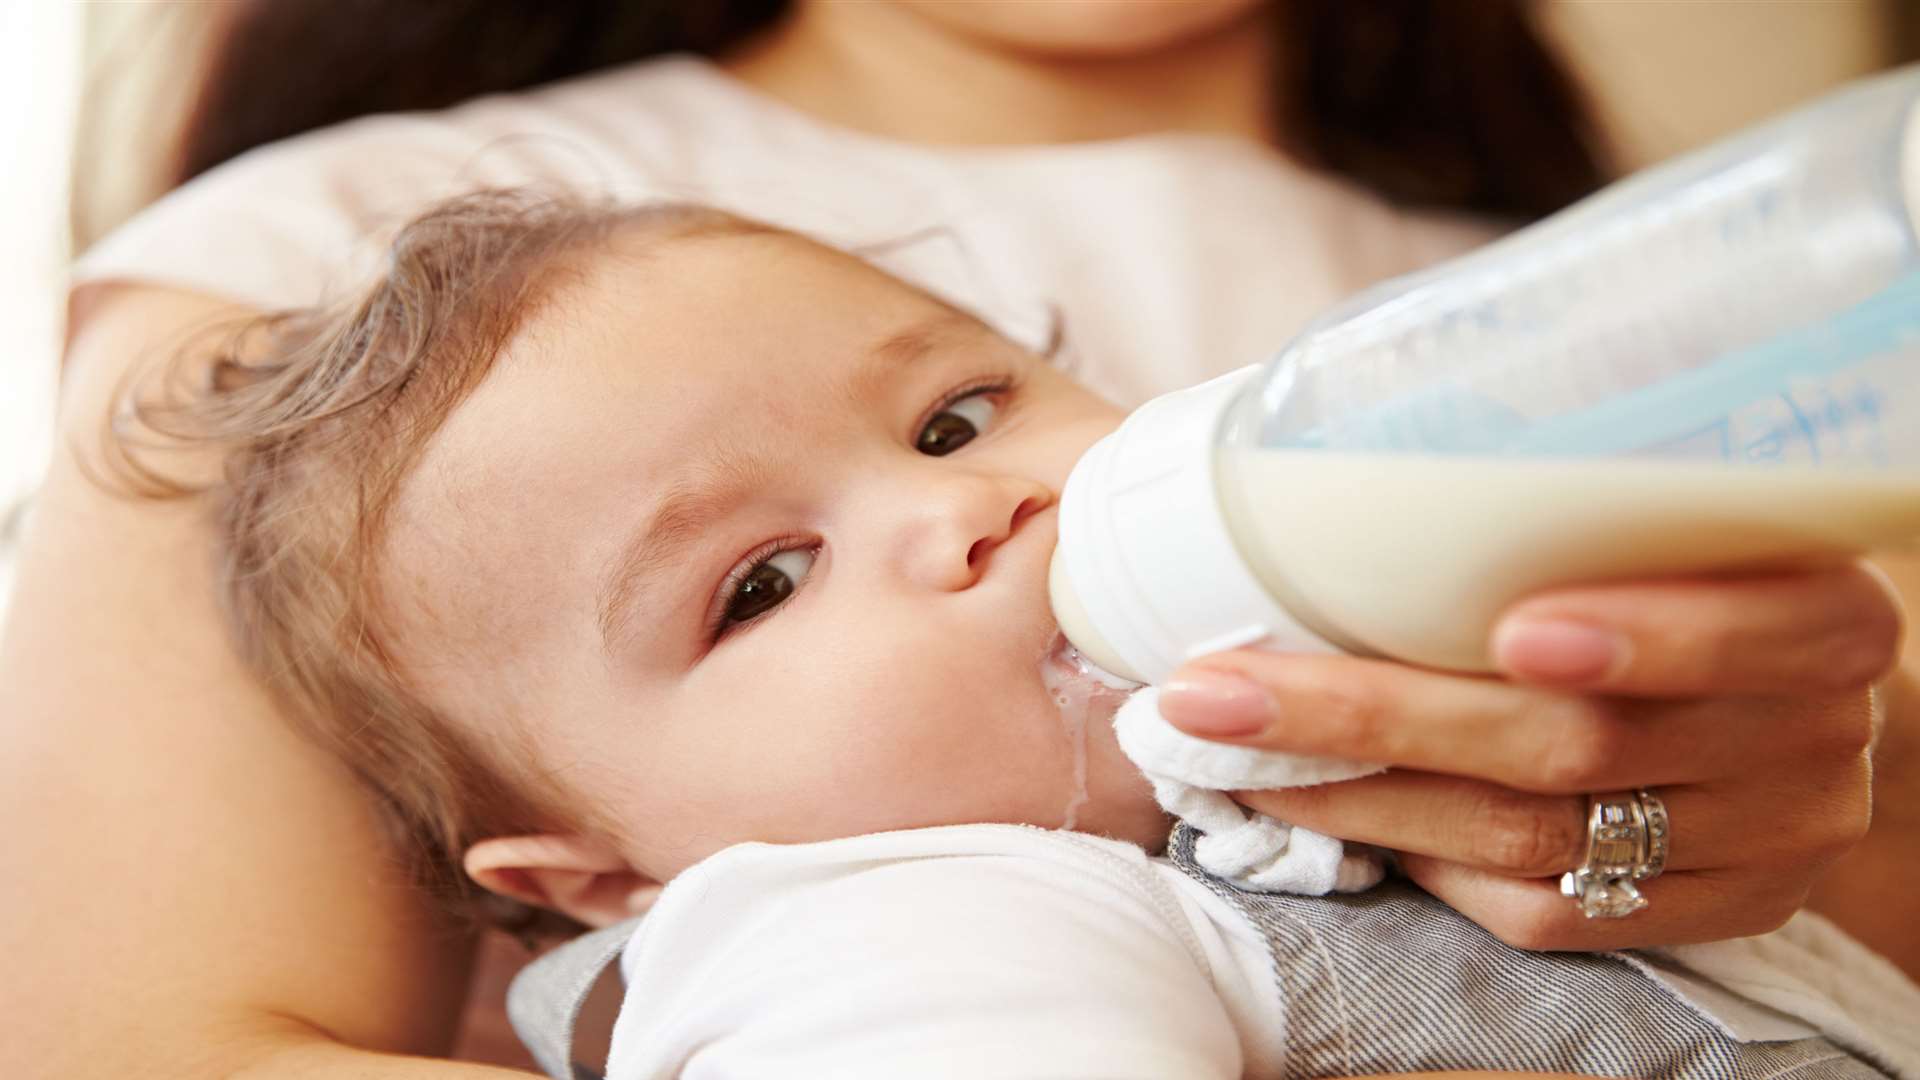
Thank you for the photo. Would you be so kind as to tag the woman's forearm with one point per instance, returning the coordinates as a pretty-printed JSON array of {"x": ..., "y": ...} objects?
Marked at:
[
  {"x": 184, "y": 881},
  {"x": 314, "y": 1058},
  {"x": 1869, "y": 890}
]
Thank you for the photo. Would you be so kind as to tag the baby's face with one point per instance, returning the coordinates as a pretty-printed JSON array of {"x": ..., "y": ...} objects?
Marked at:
[{"x": 745, "y": 540}]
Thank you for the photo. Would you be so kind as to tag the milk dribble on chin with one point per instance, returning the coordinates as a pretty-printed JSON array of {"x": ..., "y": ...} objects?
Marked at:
[{"x": 1084, "y": 694}]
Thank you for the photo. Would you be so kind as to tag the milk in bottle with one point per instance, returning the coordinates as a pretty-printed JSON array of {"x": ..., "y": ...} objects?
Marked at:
[{"x": 1711, "y": 368}]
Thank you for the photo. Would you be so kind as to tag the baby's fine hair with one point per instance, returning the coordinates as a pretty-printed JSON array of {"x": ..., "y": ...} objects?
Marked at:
[{"x": 318, "y": 415}]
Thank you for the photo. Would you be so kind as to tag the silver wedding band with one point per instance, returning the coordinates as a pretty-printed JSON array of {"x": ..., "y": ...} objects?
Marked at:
[
  {"x": 1627, "y": 836},
  {"x": 1655, "y": 813}
]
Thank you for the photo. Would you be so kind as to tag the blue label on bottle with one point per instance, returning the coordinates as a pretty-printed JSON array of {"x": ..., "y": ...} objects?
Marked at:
[
  {"x": 1817, "y": 394},
  {"x": 1801, "y": 397}
]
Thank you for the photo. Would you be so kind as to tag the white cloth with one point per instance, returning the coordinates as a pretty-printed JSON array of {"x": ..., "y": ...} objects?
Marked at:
[
  {"x": 1811, "y": 969},
  {"x": 1006, "y": 951},
  {"x": 1190, "y": 778},
  {"x": 971, "y": 951},
  {"x": 1169, "y": 258}
]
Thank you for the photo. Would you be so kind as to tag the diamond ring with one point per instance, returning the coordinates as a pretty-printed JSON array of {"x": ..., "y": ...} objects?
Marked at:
[{"x": 1619, "y": 854}]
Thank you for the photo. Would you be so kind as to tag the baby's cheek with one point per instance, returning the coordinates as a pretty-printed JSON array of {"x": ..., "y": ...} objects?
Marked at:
[{"x": 977, "y": 757}]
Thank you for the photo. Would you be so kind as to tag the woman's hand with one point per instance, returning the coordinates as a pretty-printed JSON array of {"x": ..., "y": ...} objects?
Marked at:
[{"x": 1745, "y": 704}]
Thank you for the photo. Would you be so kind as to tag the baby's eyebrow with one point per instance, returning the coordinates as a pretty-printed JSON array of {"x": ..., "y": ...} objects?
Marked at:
[
  {"x": 684, "y": 514},
  {"x": 883, "y": 360}
]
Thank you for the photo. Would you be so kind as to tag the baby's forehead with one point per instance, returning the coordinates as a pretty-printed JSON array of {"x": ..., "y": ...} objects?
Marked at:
[
  {"x": 731, "y": 259},
  {"x": 748, "y": 247}
]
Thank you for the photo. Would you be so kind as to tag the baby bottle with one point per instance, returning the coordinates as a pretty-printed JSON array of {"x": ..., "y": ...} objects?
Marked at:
[{"x": 1712, "y": 367}]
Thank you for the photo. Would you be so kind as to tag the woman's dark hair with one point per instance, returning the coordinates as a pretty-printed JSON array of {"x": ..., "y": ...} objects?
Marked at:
[{"x": 1456, "y": 104}]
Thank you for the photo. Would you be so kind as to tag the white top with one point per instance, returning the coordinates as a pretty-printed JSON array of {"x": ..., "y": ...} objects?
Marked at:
[
  {"x": 969, "y": 951},
  {"x": 1006, "y": 951},
  {"x": 1171, "y": 258}
]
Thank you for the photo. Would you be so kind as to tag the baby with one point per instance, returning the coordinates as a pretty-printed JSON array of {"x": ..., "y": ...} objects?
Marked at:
[{"x": 623, "y": 546}]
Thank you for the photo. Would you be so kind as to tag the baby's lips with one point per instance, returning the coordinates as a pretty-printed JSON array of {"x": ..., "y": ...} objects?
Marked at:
[
  {"x": 1063, "y": 654},
  {"x": 1078, "y": 686}
]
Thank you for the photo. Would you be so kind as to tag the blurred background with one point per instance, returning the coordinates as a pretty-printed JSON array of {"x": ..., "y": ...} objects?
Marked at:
[{"x": 95, "y": 89}]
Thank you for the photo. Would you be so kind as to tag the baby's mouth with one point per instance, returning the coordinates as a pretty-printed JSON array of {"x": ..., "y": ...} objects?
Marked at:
[{"x": 1065, "y": 668}]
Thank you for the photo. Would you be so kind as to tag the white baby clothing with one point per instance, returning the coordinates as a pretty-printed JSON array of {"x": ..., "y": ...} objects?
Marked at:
[{"x": 1007, "y": 951}]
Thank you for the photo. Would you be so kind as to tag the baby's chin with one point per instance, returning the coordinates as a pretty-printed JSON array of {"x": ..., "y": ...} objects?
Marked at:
[{"x": 1120, "y": 802}]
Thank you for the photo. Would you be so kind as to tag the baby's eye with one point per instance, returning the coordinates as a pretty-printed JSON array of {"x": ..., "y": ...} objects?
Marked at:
[
  {"x": 955, "y": 426},
  {"x": 765, "y": 586}
]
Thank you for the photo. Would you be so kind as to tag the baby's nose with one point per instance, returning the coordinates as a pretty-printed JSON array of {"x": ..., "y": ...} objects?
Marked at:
[{"x": 961, "y": 523}]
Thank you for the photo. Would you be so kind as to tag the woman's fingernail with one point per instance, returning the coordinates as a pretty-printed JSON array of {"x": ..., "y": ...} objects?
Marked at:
[
  {"x": 1209, "y": 703},
  {"x": 1556, "y": 651}
]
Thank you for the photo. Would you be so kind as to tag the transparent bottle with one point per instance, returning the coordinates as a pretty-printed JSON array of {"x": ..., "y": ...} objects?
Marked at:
[{"x": 1711, "y": 367}]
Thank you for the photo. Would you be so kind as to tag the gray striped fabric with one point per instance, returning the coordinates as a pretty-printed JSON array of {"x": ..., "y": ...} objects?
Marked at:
[{"x": 1392, "y": 980}]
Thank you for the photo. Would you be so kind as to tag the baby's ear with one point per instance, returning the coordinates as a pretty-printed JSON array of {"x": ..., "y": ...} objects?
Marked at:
[{"x": 582, "y": 878}]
